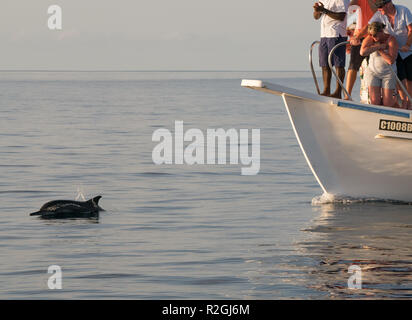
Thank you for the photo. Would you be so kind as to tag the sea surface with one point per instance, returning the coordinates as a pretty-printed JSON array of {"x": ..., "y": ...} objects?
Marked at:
[{"x": 178, "y": 231}]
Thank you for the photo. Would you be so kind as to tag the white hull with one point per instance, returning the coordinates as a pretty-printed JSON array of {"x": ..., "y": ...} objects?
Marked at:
[{"x": 354, "y": 150}]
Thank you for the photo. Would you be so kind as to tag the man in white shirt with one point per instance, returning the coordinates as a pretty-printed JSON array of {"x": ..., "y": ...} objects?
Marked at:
[
  {"x": 333, "y": 31},
  {"x": 398, "y": 21}
]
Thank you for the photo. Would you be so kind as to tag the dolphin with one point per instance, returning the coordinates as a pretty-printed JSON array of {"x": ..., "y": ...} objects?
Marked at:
[{"x": 60, "y": 209}]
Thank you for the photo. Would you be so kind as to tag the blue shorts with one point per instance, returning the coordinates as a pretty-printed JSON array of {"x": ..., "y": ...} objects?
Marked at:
[{"x": 339, "y": 56}]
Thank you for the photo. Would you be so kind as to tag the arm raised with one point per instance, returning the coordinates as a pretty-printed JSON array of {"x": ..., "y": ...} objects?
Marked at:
[
  {"x": 369, "y": 46},
  {"x": 319, "y": 8}
]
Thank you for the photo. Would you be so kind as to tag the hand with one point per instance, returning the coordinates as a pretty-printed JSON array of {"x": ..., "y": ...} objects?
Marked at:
[
  {"x": 383, "y": 46},
  {"x": 319, "y": 7},
  {"x": 354, "y": 41},
  {"x": 405, "y": 48}
]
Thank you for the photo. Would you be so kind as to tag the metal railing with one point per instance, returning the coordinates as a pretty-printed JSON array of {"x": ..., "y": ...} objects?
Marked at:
[
  {"x": 330, "y": 66},
  {"x": 405, "y": 91},
  {"x": 311, "y": 65},
  {"x": 333, "y": 70}
]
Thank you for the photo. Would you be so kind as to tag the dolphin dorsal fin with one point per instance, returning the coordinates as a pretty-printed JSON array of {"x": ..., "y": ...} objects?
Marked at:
[{"x": 95, "y": 200}]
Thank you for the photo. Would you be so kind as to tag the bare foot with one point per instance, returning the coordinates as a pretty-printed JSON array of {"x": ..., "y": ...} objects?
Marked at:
[
  {"x": 405, "y": 104},
  {"x": 336, "y": 95}
]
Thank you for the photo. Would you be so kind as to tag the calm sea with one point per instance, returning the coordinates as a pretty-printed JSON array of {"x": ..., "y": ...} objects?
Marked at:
[{"x": 177, "y": 231}]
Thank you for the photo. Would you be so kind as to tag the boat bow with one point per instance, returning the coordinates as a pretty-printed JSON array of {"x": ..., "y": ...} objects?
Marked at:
[{"x": 353, "y": 149}]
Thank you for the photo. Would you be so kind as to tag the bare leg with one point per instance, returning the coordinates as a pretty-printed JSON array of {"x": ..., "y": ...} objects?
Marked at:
[
  {"x": 388, "y": 98},
  {"x": 350, "y": 81},
  {"x": 375, "y": 95},
  {"x": 409, "y": 88},
  {"x": 327, "y": 75},
  {"x": 341, "y": 75},
  {"x": 403, "y": 96}
]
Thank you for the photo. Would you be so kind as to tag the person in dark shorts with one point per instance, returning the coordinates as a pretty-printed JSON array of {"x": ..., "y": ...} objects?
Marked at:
[
  {"x": 368, "y": 9},
  {"x": 333, "y": 31},
  {"x": 404, "y": 66}
]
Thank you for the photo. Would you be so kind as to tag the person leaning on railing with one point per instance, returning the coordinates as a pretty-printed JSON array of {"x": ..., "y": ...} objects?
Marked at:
[
  {"x": 382, "y": 50},
  {"x": 398, "y": 21}
]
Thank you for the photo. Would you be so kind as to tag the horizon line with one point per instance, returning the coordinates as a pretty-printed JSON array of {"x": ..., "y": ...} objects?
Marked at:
[{"x": 85, "y": 70}]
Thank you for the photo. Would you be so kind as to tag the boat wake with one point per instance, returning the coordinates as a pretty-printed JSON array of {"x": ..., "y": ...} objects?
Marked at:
[{"x": 327, "y": 198}]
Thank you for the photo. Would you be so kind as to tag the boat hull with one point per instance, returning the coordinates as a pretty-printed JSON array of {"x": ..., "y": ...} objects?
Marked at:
[{"x": 354, "y": 150}]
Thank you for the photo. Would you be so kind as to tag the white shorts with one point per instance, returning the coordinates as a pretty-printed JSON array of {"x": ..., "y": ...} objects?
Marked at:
[{"x": 386, "y": 81}]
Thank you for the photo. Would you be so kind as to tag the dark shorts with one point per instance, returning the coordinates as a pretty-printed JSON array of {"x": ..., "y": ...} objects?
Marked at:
[
  {"x": 404, "y": 67},
  {"x": 355, "y": 58},
  {"x": 339, "y": 56}
]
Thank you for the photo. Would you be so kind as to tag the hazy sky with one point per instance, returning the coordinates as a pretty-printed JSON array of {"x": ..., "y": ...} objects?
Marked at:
[{"x": 158, "y": 35}]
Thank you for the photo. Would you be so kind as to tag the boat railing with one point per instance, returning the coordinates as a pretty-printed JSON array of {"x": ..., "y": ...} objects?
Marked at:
[
  {"x": 405, "y": 91},
  {"x": 311, "y": 65},
  {"x": 401, "y": 85},
  {"x": 330, "y": 66},
  {"x": 333, "y": 70}
]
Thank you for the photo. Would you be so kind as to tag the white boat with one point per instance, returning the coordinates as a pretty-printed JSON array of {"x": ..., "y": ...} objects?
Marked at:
[{"x": 354, "y": 150}]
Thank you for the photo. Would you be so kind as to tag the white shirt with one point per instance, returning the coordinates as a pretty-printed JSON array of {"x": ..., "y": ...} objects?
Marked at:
[
  {"x": 403, "y": 18},
  {"x": 331, "y": 28}
]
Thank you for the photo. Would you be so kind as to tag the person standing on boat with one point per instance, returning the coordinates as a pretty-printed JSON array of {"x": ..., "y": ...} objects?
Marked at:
[
  {"x": 368, "y": 9},
  {"x": 332, "y": 32},
  {"x": 398, "y": 21},
  {"x": 382, "y": 49}
]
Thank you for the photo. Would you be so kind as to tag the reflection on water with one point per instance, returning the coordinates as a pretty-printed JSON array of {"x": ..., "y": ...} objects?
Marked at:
[
  {"x": 70, "y": 221},
  {"x": 375, "y": 236}
]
